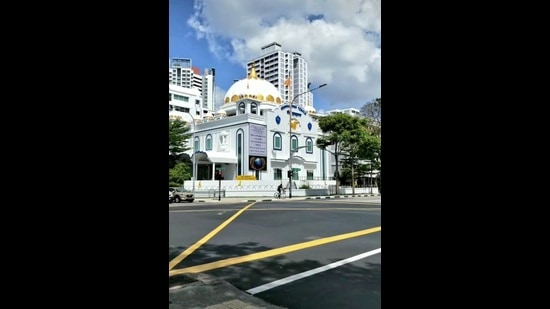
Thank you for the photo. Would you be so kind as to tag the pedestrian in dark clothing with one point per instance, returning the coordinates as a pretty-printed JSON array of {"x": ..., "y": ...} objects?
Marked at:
[{"x": 280, "y": 189}]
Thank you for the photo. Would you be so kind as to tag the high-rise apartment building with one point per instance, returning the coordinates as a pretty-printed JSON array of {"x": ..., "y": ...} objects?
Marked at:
[
  {"x": 182, "y": 73},
  {"x": 276, "y": 66},
  {"x": 208, "y": 90}
]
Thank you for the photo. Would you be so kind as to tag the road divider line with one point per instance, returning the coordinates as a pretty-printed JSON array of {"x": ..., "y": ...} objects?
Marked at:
[
  {"x": 272, "y": 252},
  {"x": 276, "y": 209},
  {"x": 311, "y": 272},
  {"x": 206, "y": 238}
]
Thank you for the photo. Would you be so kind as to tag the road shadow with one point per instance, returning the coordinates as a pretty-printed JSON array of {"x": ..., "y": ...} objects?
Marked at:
[
  {"x": 361, "y": 280},
  {"x": 362, "y": 286}
]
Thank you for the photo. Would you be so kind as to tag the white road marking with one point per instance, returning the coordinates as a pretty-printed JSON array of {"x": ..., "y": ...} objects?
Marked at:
[{"x": 311, "y": 272}]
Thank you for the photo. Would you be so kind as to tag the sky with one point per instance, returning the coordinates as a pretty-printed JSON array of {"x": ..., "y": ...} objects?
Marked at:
[{"x": 340, "y": 40}]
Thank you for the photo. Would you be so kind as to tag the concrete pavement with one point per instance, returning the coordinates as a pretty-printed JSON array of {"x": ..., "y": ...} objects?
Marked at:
[
  {"x": 198, "y": 291},
  {"x": 209, "y": 292}
]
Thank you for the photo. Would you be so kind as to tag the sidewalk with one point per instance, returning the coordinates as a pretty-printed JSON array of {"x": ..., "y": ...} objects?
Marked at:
[
  {"x": 242, "y": 199},
  {"x": 208, "y": 292}
]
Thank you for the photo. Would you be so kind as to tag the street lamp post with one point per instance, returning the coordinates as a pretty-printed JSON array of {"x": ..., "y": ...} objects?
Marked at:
[
  {"x": 194, "y": 153},
  {"x": 290, "y": 171}
]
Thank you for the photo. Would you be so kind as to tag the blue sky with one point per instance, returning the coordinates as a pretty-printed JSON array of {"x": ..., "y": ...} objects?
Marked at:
[{"x": 340, "y": 40}]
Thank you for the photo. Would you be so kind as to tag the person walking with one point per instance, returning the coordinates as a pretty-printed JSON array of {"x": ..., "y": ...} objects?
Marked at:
[{"x": 280, "y": 189}]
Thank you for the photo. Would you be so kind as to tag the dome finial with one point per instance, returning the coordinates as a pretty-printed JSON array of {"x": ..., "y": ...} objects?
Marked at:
[{"x": 253, "y": 74}]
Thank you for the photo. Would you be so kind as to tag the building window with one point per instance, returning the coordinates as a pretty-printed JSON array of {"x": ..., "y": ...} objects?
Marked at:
[
  {"x": 254, "y": 108},
  {"x": 277, "y": 141},
  {"x": 294, "y": 143},
  {"x": 208, "y": 142},
  {"x": 295, "y": 171},
  {"x": 242, "y": 108},
  {"x": 309, "y": 144},
  {"x": 240, "y": 167},
  {"x": 196, "y": 146},
  {"x": 277, "y": 174},
  {"x": 181, "y": 98},
  {"x": 309, "y": 175},
  {"x": 181, "y": 109}
]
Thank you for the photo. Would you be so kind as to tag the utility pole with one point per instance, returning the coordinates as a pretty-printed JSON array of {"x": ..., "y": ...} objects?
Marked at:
[{"x": 290, "y": 170}]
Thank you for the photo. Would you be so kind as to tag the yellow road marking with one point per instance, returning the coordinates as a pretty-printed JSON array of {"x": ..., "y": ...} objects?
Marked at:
[
  {"x": 272, "y": 252},
  {"x": 199, "y": 243},
  {"x": 271, "y": 209}
]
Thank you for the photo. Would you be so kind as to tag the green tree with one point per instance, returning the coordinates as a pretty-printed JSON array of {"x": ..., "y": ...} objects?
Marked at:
[
  {"x": 369, "y": 151},
  {"x": 342, "y": 131},
  {"x": 358, "y": 143},
  {"x": 373, "y": 113},
  {"x": 351, "y": 137},
  {"x": 178, "y": 137},
  {"x": 179, "y": 174}
]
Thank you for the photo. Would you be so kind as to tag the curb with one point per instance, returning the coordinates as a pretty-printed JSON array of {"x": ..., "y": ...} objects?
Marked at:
[
  {"x": 340, "y": 196},
  {"x": 296, "y": 198}
]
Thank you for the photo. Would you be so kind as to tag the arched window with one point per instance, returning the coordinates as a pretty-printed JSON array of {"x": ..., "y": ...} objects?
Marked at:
[
  {"x": 254, "y": 108},
  {"x": 240, "y": 151},
  {"x": 196, "y": 145},
  {"x": 208, "y": 142},
  {"x": 294, "y": 143},
  {"x": 242, "y": 108},
  {"x": 309, "y": 144},
  {"x": 277, "y": 141}
]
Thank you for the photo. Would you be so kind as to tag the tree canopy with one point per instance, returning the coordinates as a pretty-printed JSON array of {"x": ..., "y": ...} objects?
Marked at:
[
  {"x": 372, "y": 111},
  {"x": 341, "y": 131},
  {"x": 178, "y": 136},
  {"x": 179, "y": 163},
  {"x": 350, "y": 136},
  {"x": 178, "y": 174}
]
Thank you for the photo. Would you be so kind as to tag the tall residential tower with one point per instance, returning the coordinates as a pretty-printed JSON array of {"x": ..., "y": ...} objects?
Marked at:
[
  {"x": 276, "y": 66},
  {"x": 182, "y": 73}
]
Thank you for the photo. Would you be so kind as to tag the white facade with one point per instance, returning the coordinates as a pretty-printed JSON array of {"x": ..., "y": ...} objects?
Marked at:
[
  {"x": 248, "y": 139},
  {"x": 276, "y": 66},
  {"x": 184, "y": 103}
]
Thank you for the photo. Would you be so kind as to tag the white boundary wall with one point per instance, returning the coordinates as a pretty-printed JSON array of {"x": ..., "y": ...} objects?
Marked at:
[{"x": 264, "y": 188}]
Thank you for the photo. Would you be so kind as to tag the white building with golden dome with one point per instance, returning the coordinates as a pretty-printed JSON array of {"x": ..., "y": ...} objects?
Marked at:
[{"x": 248, "y": 140}]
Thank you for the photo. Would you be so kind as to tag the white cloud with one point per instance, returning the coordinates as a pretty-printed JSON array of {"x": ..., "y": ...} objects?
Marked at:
[{"x": 341, "y": 46}]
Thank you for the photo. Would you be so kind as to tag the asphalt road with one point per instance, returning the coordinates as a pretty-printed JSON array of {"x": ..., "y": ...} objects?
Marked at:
[{"x": 295, "y": 254}]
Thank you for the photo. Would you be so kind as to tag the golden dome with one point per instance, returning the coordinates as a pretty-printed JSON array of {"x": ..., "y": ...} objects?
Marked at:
[{"x": 252, "y": 87}]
